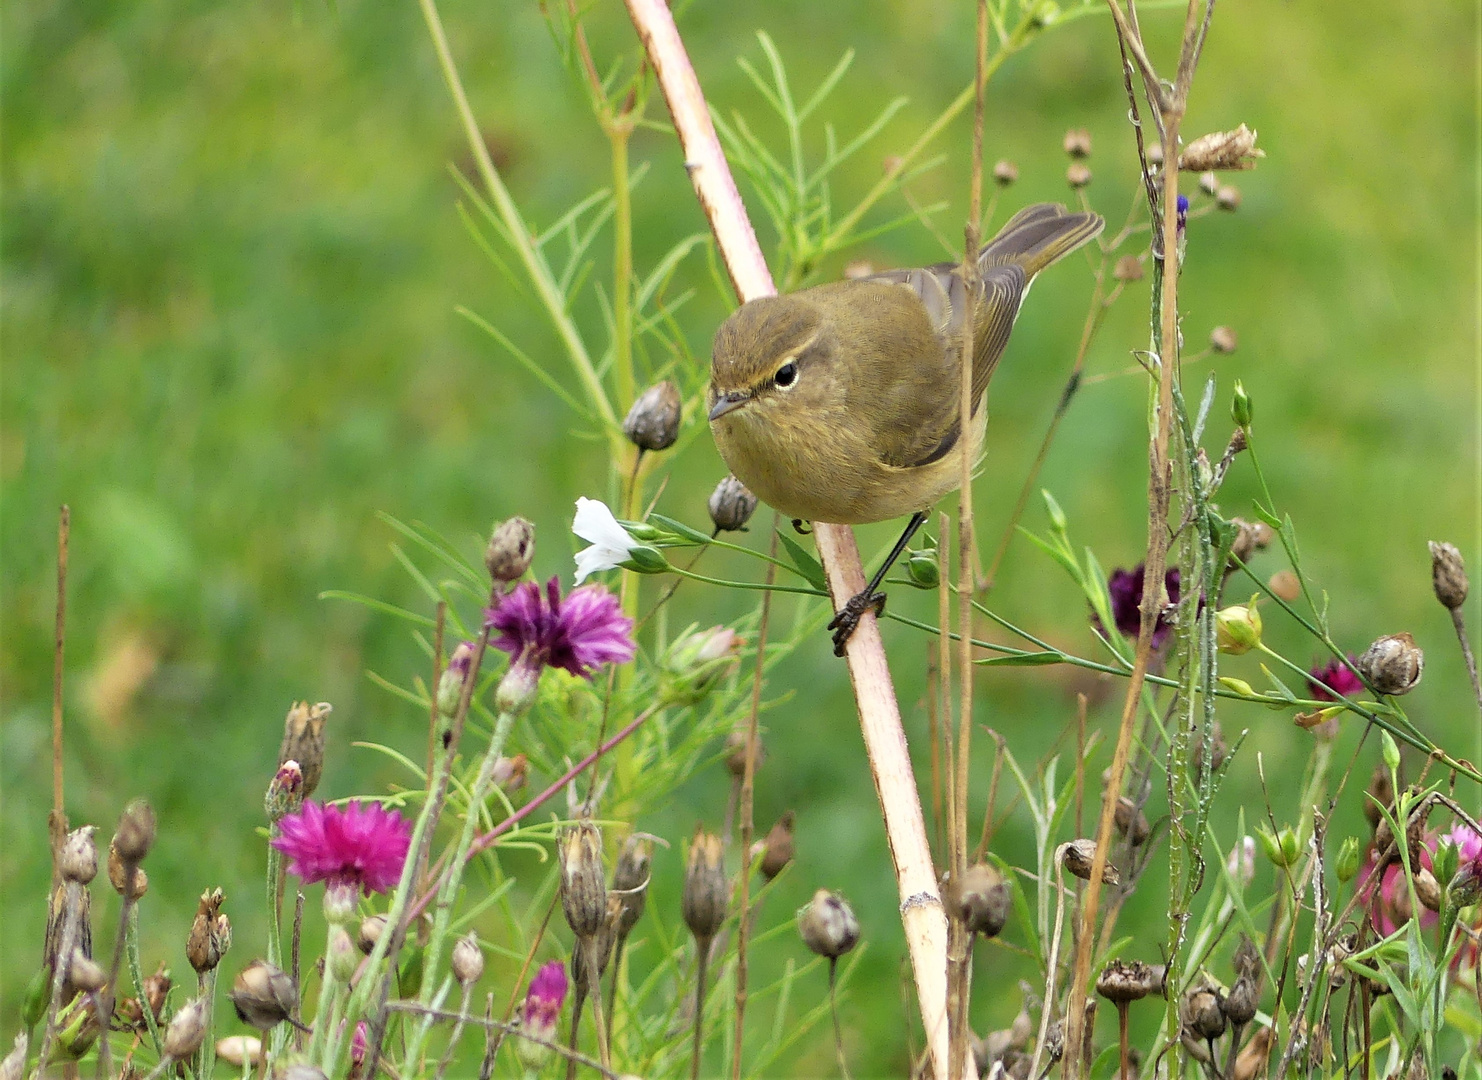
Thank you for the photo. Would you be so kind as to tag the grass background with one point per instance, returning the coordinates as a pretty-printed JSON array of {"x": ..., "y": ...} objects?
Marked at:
[{"x": 231, "y": 256}]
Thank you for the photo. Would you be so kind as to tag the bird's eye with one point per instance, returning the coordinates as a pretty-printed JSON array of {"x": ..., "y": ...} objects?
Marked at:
[{"x": 786, "y": 375}]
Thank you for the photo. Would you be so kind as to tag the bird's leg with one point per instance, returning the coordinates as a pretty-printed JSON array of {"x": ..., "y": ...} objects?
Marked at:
[
  {"x": 847, "y": 618},
  {"x": 801, "y": 527}
]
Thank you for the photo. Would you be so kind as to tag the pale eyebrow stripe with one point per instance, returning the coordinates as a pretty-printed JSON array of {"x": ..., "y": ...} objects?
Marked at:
[{"x": 793, "y": 354}]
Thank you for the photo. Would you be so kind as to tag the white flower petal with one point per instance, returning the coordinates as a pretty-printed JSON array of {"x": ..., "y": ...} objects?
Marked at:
[
  {"x": 595, "y": 559},
  {"x": 596, "y": 524}
]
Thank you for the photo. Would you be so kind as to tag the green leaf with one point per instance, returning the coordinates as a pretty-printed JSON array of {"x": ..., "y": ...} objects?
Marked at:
[
  {"x": 808, "y": 567},
  {"x": 1057, "y": 553},
  {"x": 1029, "y": 659},
  {"x": 679, "y": 528}
]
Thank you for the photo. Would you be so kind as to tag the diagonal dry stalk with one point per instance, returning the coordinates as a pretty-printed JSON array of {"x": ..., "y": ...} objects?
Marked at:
[{"x": 879, "y": 713}]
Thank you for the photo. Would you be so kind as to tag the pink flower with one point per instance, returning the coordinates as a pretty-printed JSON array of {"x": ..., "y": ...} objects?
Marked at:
[
  {"x": 1468, "y": 845},
  {"x": 543, "y": 1003},
  {"x": 578, "y": 634},
  {"x": 360, "y": 845},
  {"x": 357, "y": 1045},
  {"x": 1334, "y": 679},
  {"x": 1391, "y": 908}
]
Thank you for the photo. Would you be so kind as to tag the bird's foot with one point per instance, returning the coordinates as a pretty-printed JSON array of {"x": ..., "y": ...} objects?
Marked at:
[
  {"x": 847, "y": 619},
  {"x": 801, "y": 527}
]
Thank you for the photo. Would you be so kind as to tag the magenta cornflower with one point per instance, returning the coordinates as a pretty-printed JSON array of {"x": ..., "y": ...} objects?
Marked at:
[
  {"x": 1125, "y": 589},
  {"x": 1334, "y": 679},
  {"x": 578, "y": 633},
  {"x": 360, "y": 845}
]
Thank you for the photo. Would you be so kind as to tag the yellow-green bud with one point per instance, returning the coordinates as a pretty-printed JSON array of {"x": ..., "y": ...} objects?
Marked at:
[
  {"x": 1280, "y": 847},
  {"x": 922, "y": 568},
  {"x": 1241, "y": 409},
  {"x": 1346, "y": 865},
  {"x": 1237, "y": 628}
]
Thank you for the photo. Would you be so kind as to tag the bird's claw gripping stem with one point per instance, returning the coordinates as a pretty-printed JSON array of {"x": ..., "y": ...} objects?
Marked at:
[{"x": 843, "y": 624}]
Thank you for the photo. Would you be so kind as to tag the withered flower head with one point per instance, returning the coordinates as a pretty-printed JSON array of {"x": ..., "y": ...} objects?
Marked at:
[
  {"x": 1005, "y": 172},
  {"x": 13, "y": 1067},
  {"x": 1209, "y": 183},
  {"x": 703, "y": 901},
  {"x": 1223, "y": 340},
  {"x": 653, "y": 421},
  {"x": 980, "y": 901},
  {"x": 1076, "y": 855},
  {"x": 828, "y": 925},
  {"x": 1122, "y": 981},
  {"x": 135, "y": 834},
  {"x": 1077, "y": 143},
  {"x": 600, "y": 945},
  {"x": 210, "y": 933},
  {"x": 583, "y": 891},
  {"x": 78, "y": 861},
  {"x": 1128, "y": 268},
  {"x": 777, "y": 846},
  {"x": 630, "y": 880},
  {"x": 263, "y": 995},
  {"x": 187, "y": 1030},
  {"x": 731, "y": 505},
  {"x": 1448, "y": 574},
  {"x": 1131, "y": 822},
  {"x": 511, "y": 549},
  {"x": 85, "y": 973},
  {"x": 1393, "y": 664},
  {"x": 1078, "y": 174},
  {"x": 468, "y": 960},
  {"x": 1240, "y": 1006},
  {"x": 303, "y": 741},
  {"x": 1253, "y": 536},
  {"x": 118, "y": 876},
  {"x": 1226, "y": 150},
  {"x": 1203, "y": 1014}
]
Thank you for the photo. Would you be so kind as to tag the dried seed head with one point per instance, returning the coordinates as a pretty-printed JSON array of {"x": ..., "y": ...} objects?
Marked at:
[
  {"x": 1254, "y": 1059},
  {"x": 630, "y": 881},
  {"x": 511, "y": 773},
  {"x": 583, "y": 891},
  {"x": 600, "y": 944},
  {"x": 1216, "y": 757},
  {"x": 240, "y": 1050},
  {"x": 981, "y": 901},
  {"x": 1122, "y": 981},
  {"x": 1077, "y": 143},
  {"x": 1448, "y": 574},
  {"x": 777, "y": 847},
  {"x": 303, "y": 741},
  {"x": 1246, "y": 959},
  {"x": 1209, "y": 183},
  {"x": 210, "y": 933},
  {"x": 703, "y": 901},
  {"x": 371, "y": 929},
  {"x": 1203, "y": 1014},
  {"x": 468, "y": 960},
  {"x": 263, "y": 995},
  {"x": 1427, "y": 889},
  {"x": 1005, "y": 172},
  {"x": 85, "y": 973},
  {"x": 1240, "y": 1006},
  {"x": 1131, "y": 822},
  {"x": 1128, "y": 268},
  {"x": 78, "y": 859},
  {"x": 118, "y": 876},
  {"x": 653, "y": 421},
  {"x": 1154, "y": 153},
  {"x": 1223, "y": 340},
  {"x": 298, "y": 1069},
  {"x": 1228, "y": 198},
  {"x": 511, "y": 547},
  {"x": 828, "y": 925},
  {"x": 156, "y": 989},
  {"x": 1078, "y": 174},
  {"x": 731, "y": 505},
  {"x": 736, "y": 753},
  {"x": 1393, "y": 664},
  {"x": 1234, "y": 151},
  {"x": 1253, "y": 536},
  {"x": 186, "y": 1031},
  {"x": 1076, "y": 856},
  {"x": 135, "y": 834}
]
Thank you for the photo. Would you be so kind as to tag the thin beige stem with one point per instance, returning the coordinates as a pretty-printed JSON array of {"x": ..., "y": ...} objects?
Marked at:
[
  {"x": 880, "y": 721},
  {"x": 64, "y": 529}
]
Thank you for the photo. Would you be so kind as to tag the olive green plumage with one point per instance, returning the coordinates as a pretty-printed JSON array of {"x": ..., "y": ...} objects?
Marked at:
[{"x": 840, "y": 403}]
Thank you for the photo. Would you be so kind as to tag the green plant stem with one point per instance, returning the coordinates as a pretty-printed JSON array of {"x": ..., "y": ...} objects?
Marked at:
[
  {"x": 137, "y": 975},
  {"x": 702, "y": 949},
  {"x": 322, "y": 1040}
]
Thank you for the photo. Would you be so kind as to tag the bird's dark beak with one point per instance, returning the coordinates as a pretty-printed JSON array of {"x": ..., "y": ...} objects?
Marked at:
[{"x": 727, "y": 403}]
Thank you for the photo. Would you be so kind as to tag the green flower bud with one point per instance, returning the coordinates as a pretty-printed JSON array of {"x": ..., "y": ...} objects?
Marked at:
[
  {"x": 643, "y": 559},
  {"x": 1239, "y": 686},
  {"x": 38, "y": 993},
  {"x": 1280, "y": 848},
  {"x": 695, "y": 662},
  {"x": 1445, "y": 860},
  {"x": 1238, "y": 628},
  {"x": 1347, "y": 863},
  {"x": 921, "y": 567},
  {"x": 1241, "y": 409},
  {"x": 1391, "y": 751}
]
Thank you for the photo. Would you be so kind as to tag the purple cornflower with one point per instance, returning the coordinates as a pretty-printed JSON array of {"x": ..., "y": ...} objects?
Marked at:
[
  {"x": 1334, "y": 679},
  {"x": 578, "y": 634},
  {"x": 1125, "y": 588},
  {"x": 360, "y": 845},
  {"x": 542, "y": 1010}
]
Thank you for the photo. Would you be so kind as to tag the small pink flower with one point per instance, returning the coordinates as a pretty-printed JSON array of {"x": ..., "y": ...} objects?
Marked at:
[
  {"x": 1390, "y": 905},
  {"x": 357, "y": 1045},
  {"x": 543, "y": 1003},
  {"x": 1468, "y": 844},
  {"x": 578, "y": 634},
  {"x": 1334, "y": 679},
  {"x": 360, "y": 845}
]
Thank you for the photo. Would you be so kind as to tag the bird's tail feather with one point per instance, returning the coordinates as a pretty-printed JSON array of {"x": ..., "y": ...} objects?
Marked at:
[{"x": 1040, "y": 235}]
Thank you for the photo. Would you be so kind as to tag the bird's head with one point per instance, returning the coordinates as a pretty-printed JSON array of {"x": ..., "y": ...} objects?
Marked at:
[{"x": 767, "y": 357}]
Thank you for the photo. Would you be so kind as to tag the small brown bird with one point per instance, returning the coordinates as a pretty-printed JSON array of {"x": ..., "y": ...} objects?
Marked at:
[{"x": 840, "y": 403}]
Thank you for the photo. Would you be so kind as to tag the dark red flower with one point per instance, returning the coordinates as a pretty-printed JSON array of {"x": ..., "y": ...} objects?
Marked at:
[
  {"x": 1334, "y": 679},
  {"x": 1125, "y": 587}
]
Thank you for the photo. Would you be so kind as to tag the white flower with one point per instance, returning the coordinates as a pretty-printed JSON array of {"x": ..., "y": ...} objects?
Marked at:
[{"x": 611, "y": 544}]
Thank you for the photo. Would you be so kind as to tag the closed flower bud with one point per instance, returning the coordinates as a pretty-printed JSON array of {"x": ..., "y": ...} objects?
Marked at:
[
  {"x": 450, "y": 682},
  {"x": 118, "y": 876},
  {"x": 1237, "y": 628},
  {"x": 187, "y": 1030},
  {"x": 828, "y": 925},
  {"x": 1131, "y": 822},
  {"x": 630, "y": 880},
  {"x": 653, "y": 421},
  {"x": 210, "y": 933},
  {"x": 981, "y": 901},
  {"x": 731, "y": 505},
  {"x": 1223, "y": 340},
  {"x": 1242, "y": 861},
  {"x": 468, "y": 960},
  {"x": 922, "y": 568},
  {"x": 1246, "y": 960},
  {"x": 583, "y": 891},
  {"x": 1240, "y": 1006},
  {"x": 263, "y": 995},
  {"x": 77, "y": 1029},
  {"x": 511, "y": 547},
  {"x": 1122, "y": 981},
  {"x": 1228, "y": 198},
  {"x": 706, "y": 892},
  {"x": 696, "y": 661},
  {"x": 1128, "y": 269},
  {"x": 371, "y": 929},
  {"x": 136, "y": 831},
  {"x": 1077, "y": 143},
  {"x": 511, "y": 773},
  {"x": 78, "y": 861},
  {"x": 1393, "y": 664},
  {"x": 85, "y": 973},
  {"x": 285, "y": 791},
  {"x": 1005, "y": 172},
  {"x": 1078, "y": 174},
  {"x": 1465, "y": 888},
  {"x": 1241, "y": 409},
  {"x": 303, "y": 741},
  {"x": 1346, "y": 865},
  {"x": 239, "y": 1051},
  {"x": 1203, "y": 1015},
  {"x": 1448, "y": 574},
  {"x": 1280, "y": 847},
  {"x": 1427, "y": 889},
  {"x": 777, "y": 847},
  {"x": 1076, "y": 856},
  {"x": 341, "y": 957}
]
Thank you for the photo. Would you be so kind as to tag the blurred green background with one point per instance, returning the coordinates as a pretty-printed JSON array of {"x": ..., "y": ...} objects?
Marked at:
[{"x": 232, "y": 252}]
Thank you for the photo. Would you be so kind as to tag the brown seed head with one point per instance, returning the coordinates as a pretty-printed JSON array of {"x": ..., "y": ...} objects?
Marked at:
[
  {"x": 157, "y": 989},
  {"x": 303, "y": 741},
  {"x": 263, "y": 995},
  {"x": 1076, "y": 857},
  {"x": 1228, "y": 198},
  {"x": 78, "y": 860},
  {"x": 1131, "y": 822},
  {"x": 1203, "y": 1014},
  {"x": 828, "y": 925},
  {"x": 1380, "y": 792},
  {"x": 187, "y": 1030},
  {"x": 1077, "y": 143},
  {"x": 119, "y": 879},
  {"x": 777, "y": 847},
  {"x": 468, "y": 960},
  {"x": 1246, "y": 960},
  {"x": 1448, "y": 574},
  {"x": 1254, "y": 1059},
  {"x": 511, "y": 548},
  {"x": 981, "y": 901},
  {"x": 1005, "y": 172},
  {"x": 630, "y": 880},
  {"x": 371, "y": 929},
  {"x": 210, "y": 933},
  {"x": 1122, "y": 981},
  {"x": 601, "y": 944},
  {"x": 731, "y": 505},
  {"x": 1233, "y": 151},
  {"x": 1393, "y": 664},
  {"x": 1253, "y": 536},
  {"x": 1240, "y": 1006},
  {"x": 736, "y": 753},
  {"x": 85, "y": 973},
  {"x": 653, "y": 421},
  {"x": 703, "y": 901},
  {"x": 1128, "y": 268},
  {"x": 1154, "y": 152},
  {"x": 1427, "y": 889},
  {"x": 135, "y": 834},
  {"x": 583, "y": 889},
  {"x": 1223, "y": 340},
  {"x": 1078, "y": 174}
]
